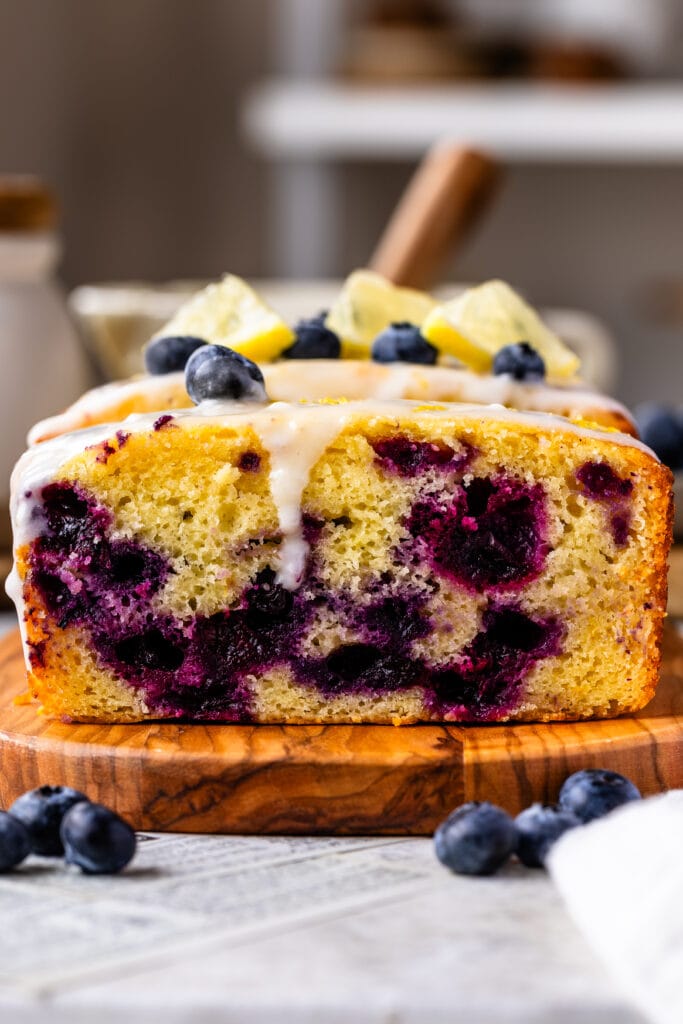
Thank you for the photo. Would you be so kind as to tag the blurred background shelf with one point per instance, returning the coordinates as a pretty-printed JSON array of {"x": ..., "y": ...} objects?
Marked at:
[
  {"x": 306, "y": 128},
  {"x": 274, "y": 139},
  {"x": 325, "y": 120}
]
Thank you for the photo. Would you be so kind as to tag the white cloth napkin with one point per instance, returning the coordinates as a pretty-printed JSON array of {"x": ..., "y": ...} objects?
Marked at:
[{"x": 622, "y": 880}]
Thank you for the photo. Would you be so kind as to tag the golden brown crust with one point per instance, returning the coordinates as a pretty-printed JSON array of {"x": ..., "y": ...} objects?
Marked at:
[
  {"x": 656, "y": 577},
  {"x": 609, "y": 418}
]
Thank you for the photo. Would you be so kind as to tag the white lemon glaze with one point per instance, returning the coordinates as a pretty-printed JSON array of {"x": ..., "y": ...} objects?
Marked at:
[
  {"x": 314, "y": 379},
  {"x": 100, "y": 400}
]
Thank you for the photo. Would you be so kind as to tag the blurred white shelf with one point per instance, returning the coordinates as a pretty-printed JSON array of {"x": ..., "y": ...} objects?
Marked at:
[{"x": 320, "y": 119}]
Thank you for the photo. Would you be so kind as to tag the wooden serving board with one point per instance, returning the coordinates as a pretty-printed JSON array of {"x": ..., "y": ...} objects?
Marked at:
[{"x": 341, "y": 779}]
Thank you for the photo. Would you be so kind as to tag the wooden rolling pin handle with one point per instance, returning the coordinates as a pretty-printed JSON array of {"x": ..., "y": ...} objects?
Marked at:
[{"x": 445, "y": 195}]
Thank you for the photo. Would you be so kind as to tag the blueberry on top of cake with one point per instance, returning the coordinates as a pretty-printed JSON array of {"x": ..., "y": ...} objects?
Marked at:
[{"x": 484, "y": 346}]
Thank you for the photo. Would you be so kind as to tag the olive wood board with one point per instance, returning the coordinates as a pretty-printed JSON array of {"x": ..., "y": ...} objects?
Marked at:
[{"x": 335, "y": 779}]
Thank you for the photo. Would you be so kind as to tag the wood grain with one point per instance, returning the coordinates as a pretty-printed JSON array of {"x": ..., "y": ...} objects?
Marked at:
[
  {"x": 447, "y": 193},
  {"x": 326, "y": 779}
]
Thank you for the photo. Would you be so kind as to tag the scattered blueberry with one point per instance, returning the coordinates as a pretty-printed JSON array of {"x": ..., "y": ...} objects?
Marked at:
[
  {"x": 15, "y": 842},
  {"x": 167, "y": 355},
  {"x": 314, "y": 340},
  {"x": 594, "y": 792},
  {"x": 662, "y": 430},
  {"x": 403, "y": 343},
  {"x": 538, "y": 827},
  {"x": 96, "y": 839},
  {"x": 215, "y": 371},
  {"x": 476, "y": 839},
  {"x": 521, "y": 361},
  {"x": 41, "y": 811}
]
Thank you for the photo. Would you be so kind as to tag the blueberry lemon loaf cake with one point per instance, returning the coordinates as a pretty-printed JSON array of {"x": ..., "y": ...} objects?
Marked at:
[
  {"x": 363, "y": 561},
  {"x": 377, "y": 341}
]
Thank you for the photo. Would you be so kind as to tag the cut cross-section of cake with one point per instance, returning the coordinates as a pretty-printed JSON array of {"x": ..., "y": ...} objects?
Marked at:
[{"x": 377, "y": 561}]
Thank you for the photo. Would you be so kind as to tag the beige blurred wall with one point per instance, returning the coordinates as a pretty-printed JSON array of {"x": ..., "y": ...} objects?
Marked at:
[{"x": 130, "y": 109}]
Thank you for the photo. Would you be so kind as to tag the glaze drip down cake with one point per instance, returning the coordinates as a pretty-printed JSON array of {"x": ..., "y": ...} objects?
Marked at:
[{"x": 362, "y": 561}]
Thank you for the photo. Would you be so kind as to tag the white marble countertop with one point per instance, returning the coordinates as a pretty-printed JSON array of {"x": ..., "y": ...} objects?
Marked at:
[
  {"x": 264, "y": 930},
  {"x": 438, "y": 948}
]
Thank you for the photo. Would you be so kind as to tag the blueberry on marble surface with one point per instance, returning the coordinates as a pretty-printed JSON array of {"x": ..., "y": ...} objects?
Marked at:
[
  {"x": 41, "y": 811},
  {"x": 476, "y": 839},
  {"x": 594, "y": 792},
  {"x": 170, "y": 354},
  {"x": 217, "y": 372},
  {"x": 15, "y": 842},
  {"x": 97, "y": 840},
  {"x": 521, "y": 361},
  {"x": 662, "y": 430},
  {"x": 403, "y": 343},
  {"x": 313, "y": 340},
  {"x": 538, "y": 828}
]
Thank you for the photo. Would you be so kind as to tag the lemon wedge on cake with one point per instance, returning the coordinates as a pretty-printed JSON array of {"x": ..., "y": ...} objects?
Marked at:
[
  {"x": 476, "y": 325},
  {"x": 366, "y": 305},
  {"x": 231, "y": 313}
]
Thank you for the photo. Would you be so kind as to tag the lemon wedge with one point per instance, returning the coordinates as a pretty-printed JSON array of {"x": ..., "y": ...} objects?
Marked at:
[
  {"x": 474, "y": 326},
  {"x": 366, "y": 305},
  {"x": 230, "y": 313}
]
